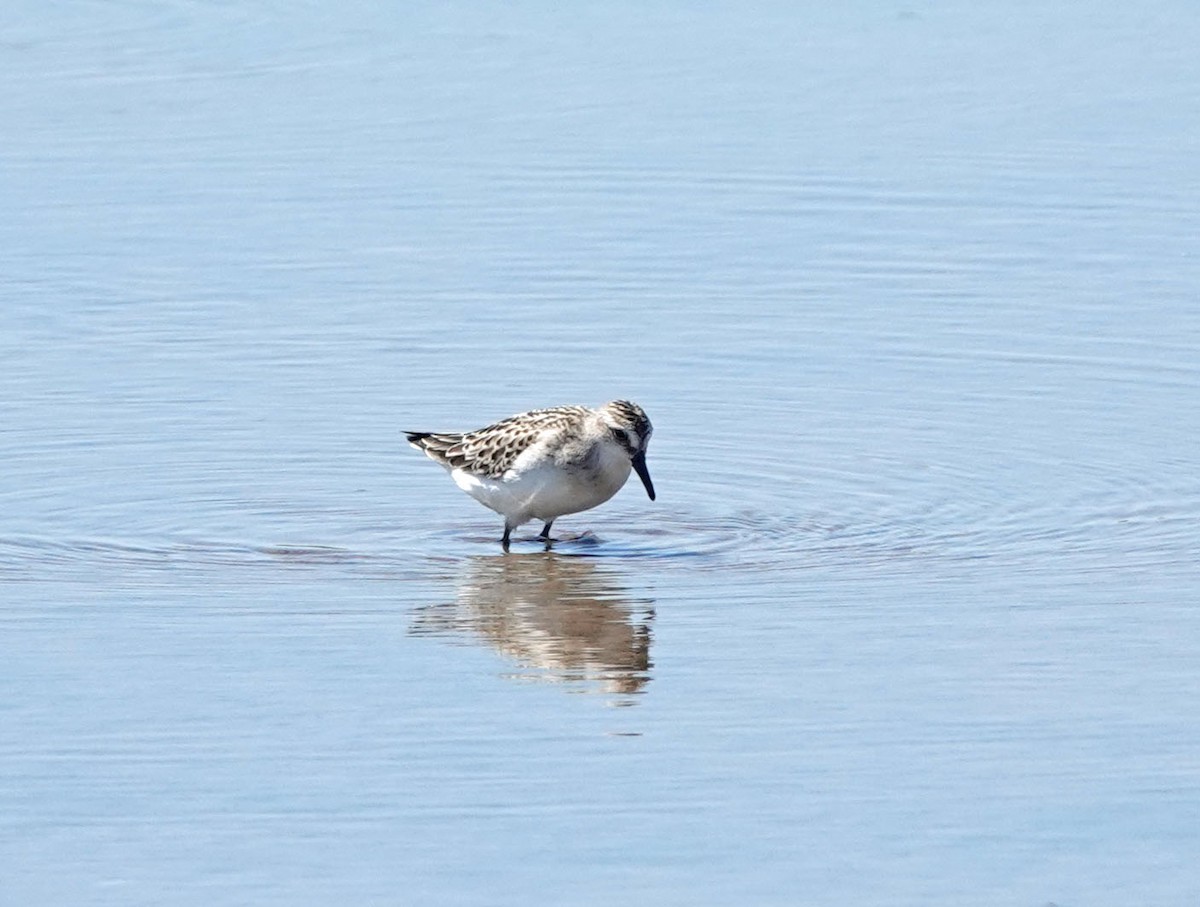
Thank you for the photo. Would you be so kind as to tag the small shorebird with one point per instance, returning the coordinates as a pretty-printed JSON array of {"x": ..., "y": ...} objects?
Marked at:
[{"x": 544, "y": 463}]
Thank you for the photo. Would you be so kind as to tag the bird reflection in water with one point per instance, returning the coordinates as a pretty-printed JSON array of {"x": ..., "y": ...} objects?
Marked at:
[{"x": 566, "y": 618}]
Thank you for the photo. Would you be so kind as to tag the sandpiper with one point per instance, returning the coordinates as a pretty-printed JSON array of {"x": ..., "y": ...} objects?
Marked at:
[{"x": 545, "y": 463}]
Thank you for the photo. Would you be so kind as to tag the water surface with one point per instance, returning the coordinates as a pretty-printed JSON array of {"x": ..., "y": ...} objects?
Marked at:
[{"x": 909, "y": 294}]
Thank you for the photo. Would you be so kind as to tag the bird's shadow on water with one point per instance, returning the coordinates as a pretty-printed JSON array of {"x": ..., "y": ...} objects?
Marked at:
[{"x": 559, "y": 619}]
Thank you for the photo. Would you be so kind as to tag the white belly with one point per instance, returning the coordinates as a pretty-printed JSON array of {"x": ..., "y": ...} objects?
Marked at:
[{"x": 545, "y": 491}]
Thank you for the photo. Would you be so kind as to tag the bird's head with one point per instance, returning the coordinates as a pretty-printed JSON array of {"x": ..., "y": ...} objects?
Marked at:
[{"x": 630, "y": 429}]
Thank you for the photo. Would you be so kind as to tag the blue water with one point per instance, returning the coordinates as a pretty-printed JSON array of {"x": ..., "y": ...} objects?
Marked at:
[{"x": 909, "y": 293}]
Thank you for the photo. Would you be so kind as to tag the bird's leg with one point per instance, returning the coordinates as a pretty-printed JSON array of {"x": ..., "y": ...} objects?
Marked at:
[
  {"x": 545, "y": 534},
  {"x": 504, "y": 541}
]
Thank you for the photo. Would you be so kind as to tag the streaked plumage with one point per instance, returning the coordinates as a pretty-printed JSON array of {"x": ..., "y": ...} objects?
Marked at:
[{"x": 546, "y": 462}]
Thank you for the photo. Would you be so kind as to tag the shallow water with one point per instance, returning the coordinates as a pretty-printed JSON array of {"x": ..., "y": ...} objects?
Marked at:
[{"x": 909, "y": 294}]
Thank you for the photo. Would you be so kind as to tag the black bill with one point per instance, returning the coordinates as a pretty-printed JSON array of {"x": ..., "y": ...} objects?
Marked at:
[{"x": 639, "y": 466}]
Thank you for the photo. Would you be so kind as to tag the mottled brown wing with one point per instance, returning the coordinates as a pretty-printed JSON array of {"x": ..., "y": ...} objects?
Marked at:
[{"x": 492, "y": 450}]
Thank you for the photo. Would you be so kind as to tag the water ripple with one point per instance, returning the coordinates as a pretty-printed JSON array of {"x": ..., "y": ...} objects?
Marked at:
[
  {"x": 1104, "y": 516},
  {"x": 38, "y": 558}
]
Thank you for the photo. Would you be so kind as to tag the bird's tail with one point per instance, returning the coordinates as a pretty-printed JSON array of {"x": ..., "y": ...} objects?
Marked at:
[{"x": 439, "y": 446}]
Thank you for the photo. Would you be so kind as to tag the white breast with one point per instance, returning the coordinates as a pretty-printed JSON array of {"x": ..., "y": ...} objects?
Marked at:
[{"x": 539, "y": 488}]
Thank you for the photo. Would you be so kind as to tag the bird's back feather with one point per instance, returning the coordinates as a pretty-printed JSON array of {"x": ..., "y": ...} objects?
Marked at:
[{"x": 491, "y": 451}]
